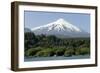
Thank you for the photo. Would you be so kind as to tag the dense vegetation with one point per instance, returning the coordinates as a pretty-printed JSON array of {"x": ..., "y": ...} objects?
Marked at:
[{"x": 47, "y": 46}]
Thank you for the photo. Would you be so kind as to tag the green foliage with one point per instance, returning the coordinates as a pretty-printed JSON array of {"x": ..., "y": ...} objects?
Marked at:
[
  {"x": 69, "y": 52},
  {"x": 30, "y": 40},
  {"x": 84, "y": 51},
  {"x": 45, "y": 52},
  {"x": 42, "y": 54},
  {"x": 44, "y": 46},
  {"x": 77, "y": 51},
  {"x": 32, "y": 51},
  {"x": 60, "y": 51}
]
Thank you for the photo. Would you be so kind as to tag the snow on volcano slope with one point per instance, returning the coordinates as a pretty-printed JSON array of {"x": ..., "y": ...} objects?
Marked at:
[{"x": 60, "y": 27}]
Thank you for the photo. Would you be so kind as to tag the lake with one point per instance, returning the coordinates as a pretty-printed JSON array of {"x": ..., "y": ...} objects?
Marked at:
[{"x": 27, "y": 59}]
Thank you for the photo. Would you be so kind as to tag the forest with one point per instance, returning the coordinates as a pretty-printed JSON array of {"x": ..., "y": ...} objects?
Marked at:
[{"x": 48, "y": 46}]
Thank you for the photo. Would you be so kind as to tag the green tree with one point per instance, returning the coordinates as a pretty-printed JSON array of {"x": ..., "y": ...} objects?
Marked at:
[{"x": 30, "y": 40}]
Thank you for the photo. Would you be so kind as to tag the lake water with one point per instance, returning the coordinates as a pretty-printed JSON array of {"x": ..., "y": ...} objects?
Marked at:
[{"x": 26, "y": 59}]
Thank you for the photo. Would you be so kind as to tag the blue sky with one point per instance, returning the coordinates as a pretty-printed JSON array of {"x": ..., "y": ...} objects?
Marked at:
[{"x": 36, "y": 18}]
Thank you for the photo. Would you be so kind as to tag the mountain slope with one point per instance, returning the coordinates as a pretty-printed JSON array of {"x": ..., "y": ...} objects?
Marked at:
[
  {"x": 27, "y": 30},
  {"x": 60, "y": 28}
]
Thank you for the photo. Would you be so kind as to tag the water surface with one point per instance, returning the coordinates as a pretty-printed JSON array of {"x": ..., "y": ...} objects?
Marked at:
[{"x": 26, "y": 59}]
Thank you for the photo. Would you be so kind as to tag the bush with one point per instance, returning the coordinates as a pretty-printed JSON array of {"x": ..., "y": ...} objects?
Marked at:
[
  {"x": 45, "y": 52},
  {"x": 32, "y": 51},
  {"x": 42, "y": 54},
  {"x": 84, "y": 51},
  {"x": 77, "y": 51},
  {"x": 59, "y": 52},
  {"x": 68, "y": 52}
]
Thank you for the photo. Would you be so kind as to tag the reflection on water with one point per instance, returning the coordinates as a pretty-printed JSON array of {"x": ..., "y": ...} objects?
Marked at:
[{"x": 26, "y": 59}]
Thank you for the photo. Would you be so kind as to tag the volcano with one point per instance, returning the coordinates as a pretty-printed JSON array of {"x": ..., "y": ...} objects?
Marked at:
[{"x": 60, "y": 28}]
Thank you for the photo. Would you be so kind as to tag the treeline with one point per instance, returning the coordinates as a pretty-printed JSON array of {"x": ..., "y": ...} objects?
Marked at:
[{"x": 44, "y": 46}]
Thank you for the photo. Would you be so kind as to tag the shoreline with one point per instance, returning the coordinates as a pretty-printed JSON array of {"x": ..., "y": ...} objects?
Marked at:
[{"x": 28, "y": 59}]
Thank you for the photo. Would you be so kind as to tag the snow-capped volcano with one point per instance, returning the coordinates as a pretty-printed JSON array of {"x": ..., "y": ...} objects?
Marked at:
[{"x": 59, "y": 27}]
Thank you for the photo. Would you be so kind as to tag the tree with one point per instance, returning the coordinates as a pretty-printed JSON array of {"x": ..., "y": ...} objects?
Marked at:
[
  {"x": 68, "y": 52},
  {"x": 60, "y": 52},
  {"x": 30, "y": 40}
]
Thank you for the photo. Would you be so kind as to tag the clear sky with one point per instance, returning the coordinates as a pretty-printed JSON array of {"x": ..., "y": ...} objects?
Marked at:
[{"x": 34, "y": 19}]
